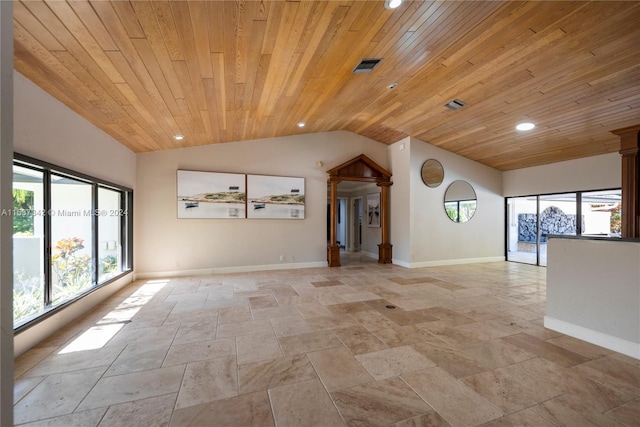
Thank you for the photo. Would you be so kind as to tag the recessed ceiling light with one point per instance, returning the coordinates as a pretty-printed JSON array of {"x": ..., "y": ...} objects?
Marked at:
[
  {"x": 301, "y": 124},
  {"x": 178, "y": 137},
  {"x": 524, "y": 126},
  {"x": 392, "y": 4}
]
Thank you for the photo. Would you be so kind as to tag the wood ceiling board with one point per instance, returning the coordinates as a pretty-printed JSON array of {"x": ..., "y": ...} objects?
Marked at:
[
  {"x": 32, "y": 25},
  {"x": 226, "y": 71}
]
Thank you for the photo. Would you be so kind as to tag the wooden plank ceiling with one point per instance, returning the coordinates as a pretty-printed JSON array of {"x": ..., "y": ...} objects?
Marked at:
[{"x": 224, "y": 71}]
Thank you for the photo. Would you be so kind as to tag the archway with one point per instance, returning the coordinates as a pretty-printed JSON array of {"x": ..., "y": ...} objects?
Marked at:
[{"x": 361, "y": 169}]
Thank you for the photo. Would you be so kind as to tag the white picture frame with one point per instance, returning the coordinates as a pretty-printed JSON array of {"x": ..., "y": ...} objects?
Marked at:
[{"x": 373, "y": 210}]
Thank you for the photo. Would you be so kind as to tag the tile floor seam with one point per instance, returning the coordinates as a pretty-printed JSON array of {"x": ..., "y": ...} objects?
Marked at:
[
  {"x": 333, "y": 402},
  {"x": 237, "y": 372},
  {"x": 88, "y": 392},
  {"x": 480, "y": 395},
  {"x": 423, "y": 399},
  {"x": 104, "y": 414},
  {"x": 543, "y": 415},
  {"x": 184, "y": 372},
  {"x": 633, "y": 399},
  {"x": 273, "y": 414}
]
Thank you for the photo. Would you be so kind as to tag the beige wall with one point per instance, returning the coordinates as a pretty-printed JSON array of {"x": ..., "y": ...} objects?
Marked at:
[
  {"x": 400, "y": 199},
  {"x": 590, "y": 173},
  {"x": 593, "y": 292},
  {"x": 48, "y": 130},
  {"x": 434, "y": 239},
  {"x": 167, "y": 245}
]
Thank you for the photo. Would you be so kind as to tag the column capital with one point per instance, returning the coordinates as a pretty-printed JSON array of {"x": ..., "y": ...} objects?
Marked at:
[{"x": 630, "y": 143}]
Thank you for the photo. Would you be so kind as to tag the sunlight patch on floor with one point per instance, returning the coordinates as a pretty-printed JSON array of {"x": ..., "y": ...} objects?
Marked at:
[{"x": 106, "y": 328}]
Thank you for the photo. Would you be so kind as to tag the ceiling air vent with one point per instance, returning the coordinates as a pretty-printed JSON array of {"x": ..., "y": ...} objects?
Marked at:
[
  {"x": 367, "y": 65},
  {"x": 456, "y": 104}
]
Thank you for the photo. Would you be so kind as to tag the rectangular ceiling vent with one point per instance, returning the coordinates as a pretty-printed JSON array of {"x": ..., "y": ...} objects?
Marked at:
[
  {"x": 367, "y": 65},
  {"x": 456, "y": 104}
]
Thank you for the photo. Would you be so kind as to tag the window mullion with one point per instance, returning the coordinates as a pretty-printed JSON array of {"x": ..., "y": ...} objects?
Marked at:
[
  {"x": 538, "y": 231},
  {"x": 47, "y": 244},
  {"x": 95, "y": 234},
  {"x": 124, "y": 245},
  {"x": 579, "y": 213}
]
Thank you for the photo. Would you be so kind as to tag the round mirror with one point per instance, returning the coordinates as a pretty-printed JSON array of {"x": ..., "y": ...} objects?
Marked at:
[
  {"x": 460, "y": 201},
  {"x": 432, "y": 173}
]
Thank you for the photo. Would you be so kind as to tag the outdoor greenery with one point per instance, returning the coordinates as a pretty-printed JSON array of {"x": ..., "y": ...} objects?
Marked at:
[
  {"x": 23, "y": 212},
  {"x": 72, "y": 269},
  {"x": 461, "y": 211},
  {"x": 28, "y": 296},
  {"x": 108, "y": 264},
  {"x": 452, "y": 210},
  {"x": 28, "y": 293},
  {"x": 616, "y": 219}
]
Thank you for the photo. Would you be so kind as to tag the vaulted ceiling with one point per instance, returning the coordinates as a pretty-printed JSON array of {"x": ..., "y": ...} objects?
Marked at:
[{"x": 225, "y": 71}]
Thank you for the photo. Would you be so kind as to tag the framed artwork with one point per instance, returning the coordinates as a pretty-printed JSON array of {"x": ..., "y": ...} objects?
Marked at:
[
  {"x": 373, "y": 210},
  {"x": 211, "y": 195},
  {"x": 275, "y": 197}
]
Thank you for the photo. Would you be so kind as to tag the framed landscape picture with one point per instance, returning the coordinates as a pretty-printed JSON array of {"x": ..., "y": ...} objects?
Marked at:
[
  {"x": 275, "y": 197},
  {"x": 211, "y": 195},
  {"x": 373, "y": 210}
]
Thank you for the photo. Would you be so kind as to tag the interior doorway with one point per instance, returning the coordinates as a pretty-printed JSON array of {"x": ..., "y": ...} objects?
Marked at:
[
  {"x": 342, "y": 227},
  {"x": 356, "y": 225},
  {"x": 341, "y": 235},
  {"x": 364, "y": 170}
]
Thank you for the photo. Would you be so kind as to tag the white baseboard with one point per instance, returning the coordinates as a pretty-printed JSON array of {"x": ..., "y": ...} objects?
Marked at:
[
  {"x": 291, "y": 266},
  {"x": 401, "y": 263},
  {"x": 369, "y": 254},
  {"x": 629, "y": 348},
  {"x": 223, "y": 270},
  {"x": 437, "y": 263}
]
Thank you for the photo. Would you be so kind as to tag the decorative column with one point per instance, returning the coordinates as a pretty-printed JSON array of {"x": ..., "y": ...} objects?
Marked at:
[
  {"x": 333, "y": 250},
  {"x": 384, "y": 248},
  {"x": 630, "y": 151}
]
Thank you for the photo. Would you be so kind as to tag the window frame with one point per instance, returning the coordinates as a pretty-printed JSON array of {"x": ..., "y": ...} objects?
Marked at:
[{"x": 126, "y": 233}]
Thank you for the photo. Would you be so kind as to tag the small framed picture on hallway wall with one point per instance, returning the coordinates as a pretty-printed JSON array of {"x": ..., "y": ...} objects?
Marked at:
[{"x": 373, "y": 210}]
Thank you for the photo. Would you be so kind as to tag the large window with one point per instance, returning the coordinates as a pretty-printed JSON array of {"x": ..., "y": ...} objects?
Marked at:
[
  {"x": 558, "y": 215},
  {"x": 110, "y": 205},
  {"x": 71, "y": 234},
  {"x": 28, "y": 242},
  {"x": 531, "y": 219},
  {"x": 71, "y": 237},
  {"x": 522, "y": 229},
  {"x": 604, "y": 211}
]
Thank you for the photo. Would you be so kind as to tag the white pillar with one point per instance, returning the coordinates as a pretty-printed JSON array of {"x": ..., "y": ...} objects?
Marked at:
[{"x": 6, "y": 222}]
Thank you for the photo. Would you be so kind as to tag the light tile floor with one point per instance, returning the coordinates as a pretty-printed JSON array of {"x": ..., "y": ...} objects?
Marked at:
[{"x": 464, "y": 346}]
